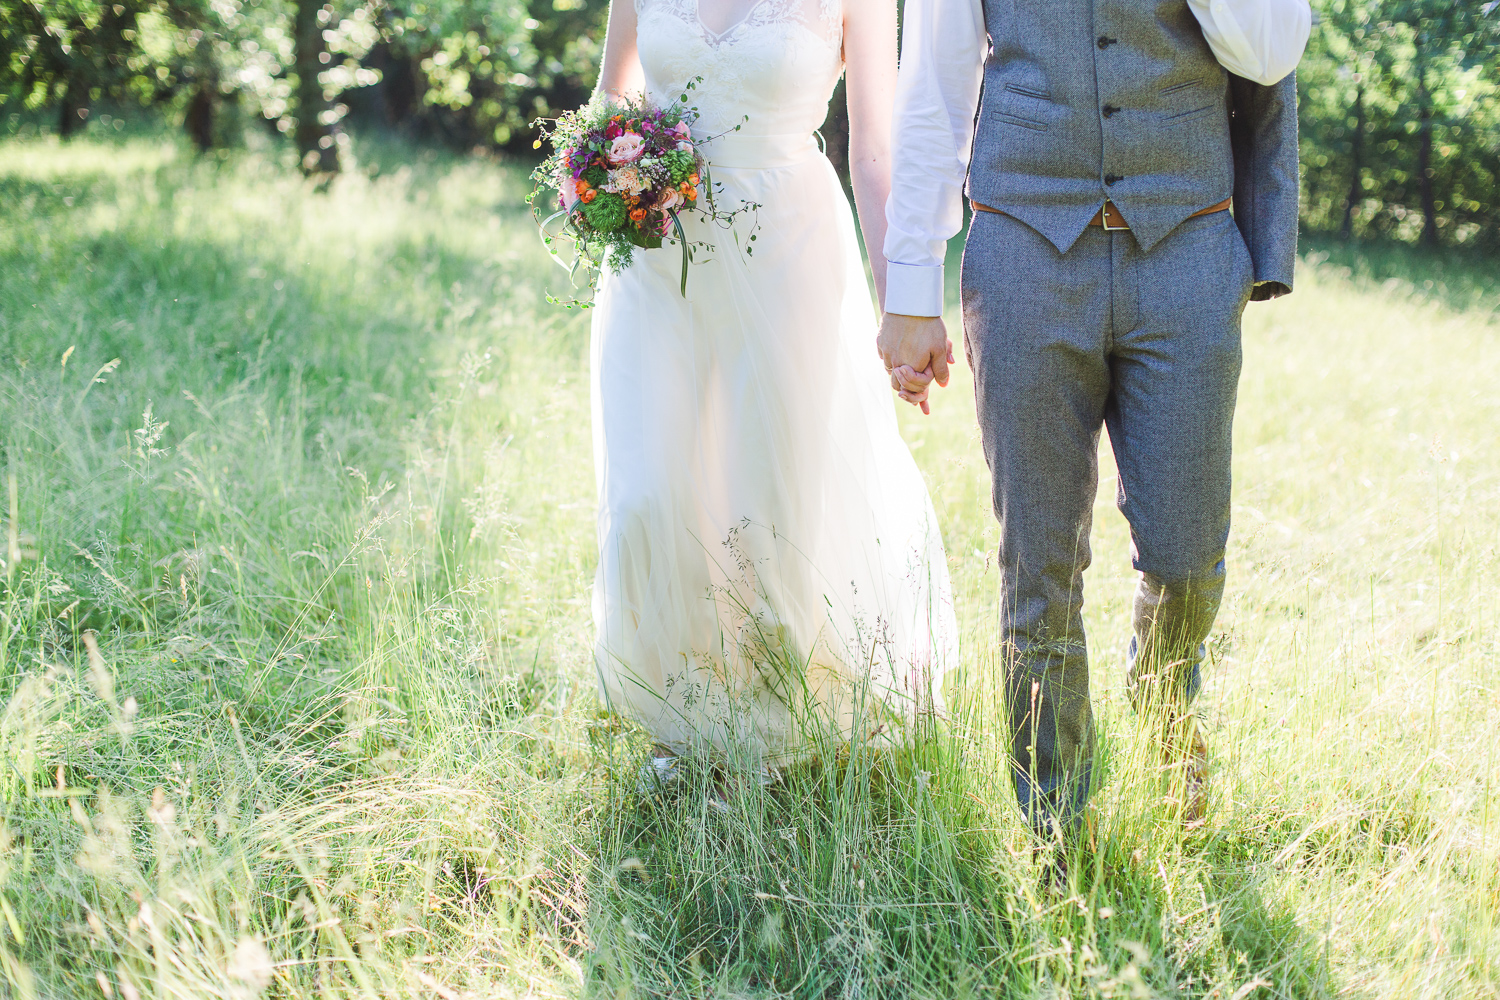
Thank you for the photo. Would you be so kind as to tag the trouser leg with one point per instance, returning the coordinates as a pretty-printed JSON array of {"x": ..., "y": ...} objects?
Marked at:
[
  {"x": 1175, "y": 366},
  {"x": 1036, "y": 327}
]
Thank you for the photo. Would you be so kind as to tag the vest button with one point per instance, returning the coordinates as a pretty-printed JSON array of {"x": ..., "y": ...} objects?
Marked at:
[
  {"x": 1111, "y": 178},
  {"x": 1106, "y": 42},
  {"x": 1109, "y": 109}
]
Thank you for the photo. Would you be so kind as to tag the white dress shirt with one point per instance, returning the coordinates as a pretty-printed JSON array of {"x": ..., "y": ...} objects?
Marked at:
[{"x": 943, "y": 48}]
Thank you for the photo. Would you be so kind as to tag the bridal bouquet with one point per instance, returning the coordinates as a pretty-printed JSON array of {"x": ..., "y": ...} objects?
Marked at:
[{"x": 623, "y": 171}]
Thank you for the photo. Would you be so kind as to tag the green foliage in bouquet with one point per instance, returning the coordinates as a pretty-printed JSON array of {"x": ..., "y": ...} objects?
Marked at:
[{"x": 608, "y": 213}]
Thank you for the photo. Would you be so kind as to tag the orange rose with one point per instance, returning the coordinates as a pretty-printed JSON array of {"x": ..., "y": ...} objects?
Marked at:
[
  {"x": 692, "y": 194},
  {"x": 588, "y": 196},
  {"x": 637, "y": 214},
  {"x": 693, "y": 179}
]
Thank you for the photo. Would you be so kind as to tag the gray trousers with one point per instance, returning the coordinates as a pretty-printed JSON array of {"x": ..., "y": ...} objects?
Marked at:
[{"x": 1060, "y": 344}]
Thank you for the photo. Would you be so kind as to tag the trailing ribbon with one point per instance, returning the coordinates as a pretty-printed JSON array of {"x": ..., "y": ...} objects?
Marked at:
[{"x": 686, "y": 255}]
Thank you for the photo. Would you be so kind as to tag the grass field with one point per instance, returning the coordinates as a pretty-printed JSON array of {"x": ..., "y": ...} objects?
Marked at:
[{"x": 298, "y": 500}]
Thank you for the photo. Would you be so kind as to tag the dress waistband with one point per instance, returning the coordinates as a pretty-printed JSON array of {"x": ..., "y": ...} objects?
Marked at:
[{"x": 738, "y": 151}]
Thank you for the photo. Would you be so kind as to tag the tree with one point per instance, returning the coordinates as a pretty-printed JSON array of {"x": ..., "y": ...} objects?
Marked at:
[
  {"x": 1401, "y": 111},
  {"x": 67, "y": 53},
  {"x": 313, "y": 132},
  {"x": 192, "y": 31},
  {"x": 469, "y": 64},
  {"x": 469, "y": 72}
]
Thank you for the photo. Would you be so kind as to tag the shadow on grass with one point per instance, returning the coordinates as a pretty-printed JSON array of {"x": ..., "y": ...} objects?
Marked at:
[{"x": 1458, "y": 278}]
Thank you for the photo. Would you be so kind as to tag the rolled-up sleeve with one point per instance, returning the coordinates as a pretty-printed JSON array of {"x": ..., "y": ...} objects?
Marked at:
[
  {"x": 1260, "y": 40},
  {"x": 943, "y": 45}
]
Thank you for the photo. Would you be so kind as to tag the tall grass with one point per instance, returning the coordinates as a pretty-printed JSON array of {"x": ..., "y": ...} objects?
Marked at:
[{"x": 296, "y": 646}]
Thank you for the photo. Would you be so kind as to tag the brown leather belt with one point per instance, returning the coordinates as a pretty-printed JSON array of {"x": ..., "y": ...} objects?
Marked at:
[{"x": 1110, "y": 218}]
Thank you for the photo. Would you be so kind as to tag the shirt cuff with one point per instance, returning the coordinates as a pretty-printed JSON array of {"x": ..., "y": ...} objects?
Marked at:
[{"x": 914, "y": 289}]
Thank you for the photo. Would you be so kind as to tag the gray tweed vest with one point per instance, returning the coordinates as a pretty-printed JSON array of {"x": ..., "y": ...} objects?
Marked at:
[{"x": 1087, "y": 100}]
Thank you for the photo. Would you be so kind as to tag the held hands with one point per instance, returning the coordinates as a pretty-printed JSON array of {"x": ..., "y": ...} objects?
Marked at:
[{"x": 916, "y": 352}]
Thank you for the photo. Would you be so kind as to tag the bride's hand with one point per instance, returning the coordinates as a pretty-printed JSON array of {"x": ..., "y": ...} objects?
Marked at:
[
  {"x": 919, "y": 348},
  {"x": 912, "y": 385}
]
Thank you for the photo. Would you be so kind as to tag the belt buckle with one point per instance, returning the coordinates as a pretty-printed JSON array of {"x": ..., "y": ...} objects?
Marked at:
[{"x": 1104, "y": 217}]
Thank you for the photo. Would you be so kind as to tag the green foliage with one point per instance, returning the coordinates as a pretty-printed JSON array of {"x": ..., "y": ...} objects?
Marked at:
[
  {"x": 682, "y": 164},
  {"x": 476, "y": 58},
  {"x": 70, "y": 51},
  {"x": 144, "y": 52},
  {"x": 1401, "y": 120},
  {"x": 470, "y": 71},
  {"x": 569, "y": 39},
  {"x": 606, "y": 212}
]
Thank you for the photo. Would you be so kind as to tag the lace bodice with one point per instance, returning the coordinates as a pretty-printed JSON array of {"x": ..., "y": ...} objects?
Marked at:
[{"x": 769, "y": 64}]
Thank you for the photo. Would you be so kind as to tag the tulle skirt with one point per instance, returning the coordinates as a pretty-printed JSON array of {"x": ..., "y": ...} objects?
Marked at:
[{"x": 770, "y": 566}]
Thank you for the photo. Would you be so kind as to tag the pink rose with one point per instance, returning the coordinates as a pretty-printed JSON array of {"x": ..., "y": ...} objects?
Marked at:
[
  {"x": 685, "y": 146},
  {"x": 681, "y": 130},
  {"x": 626, "y": 149},
  {"x": 671, "y": 198},
  {"x": 567, "y": 191}
]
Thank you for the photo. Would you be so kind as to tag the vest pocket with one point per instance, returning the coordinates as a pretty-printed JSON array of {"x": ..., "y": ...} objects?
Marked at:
[
  {"x": 1177, "y": 87},
  {"x": 1023, "y": 106},
  {"x": 1016, "y": 88},
  {"x": 1023, "y": 122},
  {"x": 1187, "y": 116}
]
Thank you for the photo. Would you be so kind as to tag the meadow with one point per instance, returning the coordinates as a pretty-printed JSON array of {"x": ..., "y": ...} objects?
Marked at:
[{"x": 295, "y": 642}]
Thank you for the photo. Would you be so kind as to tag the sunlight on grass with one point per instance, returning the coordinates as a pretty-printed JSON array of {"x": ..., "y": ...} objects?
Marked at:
[{"x": 299, "y": 533}]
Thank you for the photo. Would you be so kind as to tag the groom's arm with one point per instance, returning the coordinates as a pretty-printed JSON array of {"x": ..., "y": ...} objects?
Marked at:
[
  {"x": 937, "y": 92},
  {"x": 943, "y": 46},
  {"x": 1259, "y": 40}
]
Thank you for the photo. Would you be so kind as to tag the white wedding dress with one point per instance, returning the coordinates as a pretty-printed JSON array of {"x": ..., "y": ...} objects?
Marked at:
[{"x": 770, "y": 567}]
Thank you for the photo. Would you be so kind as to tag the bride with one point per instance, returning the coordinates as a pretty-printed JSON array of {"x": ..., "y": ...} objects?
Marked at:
[{"x": 770, "y": 568}]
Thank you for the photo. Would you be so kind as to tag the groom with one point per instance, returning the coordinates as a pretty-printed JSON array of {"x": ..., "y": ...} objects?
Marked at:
[{"x": 1103, "y": 282}]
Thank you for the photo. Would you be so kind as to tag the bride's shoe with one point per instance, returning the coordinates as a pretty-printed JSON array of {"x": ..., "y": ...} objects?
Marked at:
[{"x": 661, "y": 774}]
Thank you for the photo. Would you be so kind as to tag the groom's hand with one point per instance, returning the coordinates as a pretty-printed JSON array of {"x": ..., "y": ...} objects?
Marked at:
[{"x": 916, "y": 351}]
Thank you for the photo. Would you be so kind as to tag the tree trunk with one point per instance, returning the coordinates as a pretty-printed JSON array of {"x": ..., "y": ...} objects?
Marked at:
[
  {"x": 1424, "y": 159},
  {"x": 395, "y": 96},
  {"x": 203, "y": 106},
  {"x": 315, "y": 140},
  {"x": 1357, "y": 169},
  {"x": 199, "y": 121},
  {"x": 75, "y": 107}
]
